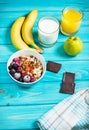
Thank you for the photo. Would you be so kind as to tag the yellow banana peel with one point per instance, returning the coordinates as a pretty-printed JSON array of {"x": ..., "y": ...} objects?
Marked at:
[
  {"x": 27, "y": 29},
  {"x": 16, "y": 38}
]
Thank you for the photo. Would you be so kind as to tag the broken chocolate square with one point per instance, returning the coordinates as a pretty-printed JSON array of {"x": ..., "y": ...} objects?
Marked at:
[
  {"x": 68, "y": 84},
  {"x": 68, "y": 77},
  {"x": 67, "y": 88},
  {"x": 53, "y": 66}
]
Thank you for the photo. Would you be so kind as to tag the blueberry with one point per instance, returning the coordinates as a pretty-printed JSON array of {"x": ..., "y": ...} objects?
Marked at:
[
  {"x": 9, "y": 67},
  {"x": 12, "y": 71},
  {"x": 17, "y": 75},
  {"x": 26, "y": 78},
  {"x": 15, "y": 66},
  {"x": 12, "y": 63},
  {"x": 21, "y": 79}
]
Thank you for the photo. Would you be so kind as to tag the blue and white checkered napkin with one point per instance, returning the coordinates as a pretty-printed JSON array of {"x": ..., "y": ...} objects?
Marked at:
[{"x": 72, "y": 113}]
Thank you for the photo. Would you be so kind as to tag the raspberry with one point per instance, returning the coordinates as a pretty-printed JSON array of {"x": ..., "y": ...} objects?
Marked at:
[
  {"x": 18, "y": 63},
  {"x": 16, "y": 59},
  {"x": 32, "y": 79},
  {"x": 19, "y": 69},
  {"x": 24, "y": 74}
]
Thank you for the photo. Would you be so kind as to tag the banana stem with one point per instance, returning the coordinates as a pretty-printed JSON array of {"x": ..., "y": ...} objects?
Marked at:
[{"x": 40, "y": 50}]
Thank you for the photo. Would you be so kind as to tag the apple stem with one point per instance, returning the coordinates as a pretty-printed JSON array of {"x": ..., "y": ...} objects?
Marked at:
[{"x": 74, "y": 38}]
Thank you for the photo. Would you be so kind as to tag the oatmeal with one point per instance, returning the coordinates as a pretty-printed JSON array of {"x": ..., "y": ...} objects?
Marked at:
[{"x": 26, "y": 68}]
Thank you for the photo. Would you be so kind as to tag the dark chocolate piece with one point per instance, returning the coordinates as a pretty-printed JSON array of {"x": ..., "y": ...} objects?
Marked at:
[
  {"x": 53, "y": 66},
  {"x": 69, "y": 77},
  {"x": 67, "y": 88},
  {"x": 68, "y": 84}
]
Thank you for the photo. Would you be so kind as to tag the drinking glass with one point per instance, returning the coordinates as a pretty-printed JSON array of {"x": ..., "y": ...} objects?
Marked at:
[
  {"x": 71, "y": 20},
  {"x": 48, "y": 30}
]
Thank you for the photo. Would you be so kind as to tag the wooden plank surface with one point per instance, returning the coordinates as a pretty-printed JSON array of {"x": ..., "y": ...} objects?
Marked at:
[{"x": 21, "y": 107}]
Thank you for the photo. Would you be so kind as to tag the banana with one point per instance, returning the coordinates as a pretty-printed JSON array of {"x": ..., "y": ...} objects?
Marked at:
[
  {"x": 16, "y": 35},
  {"x": 27, "y": 29}
]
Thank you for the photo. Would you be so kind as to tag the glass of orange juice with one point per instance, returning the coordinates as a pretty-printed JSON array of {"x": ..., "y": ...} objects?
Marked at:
[{"x": 71, "y": 20}]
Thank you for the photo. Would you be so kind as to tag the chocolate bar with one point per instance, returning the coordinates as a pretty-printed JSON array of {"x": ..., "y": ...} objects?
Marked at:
[
  {"x": 53, "y": 66},
  {"x": 68, "y": 84}
]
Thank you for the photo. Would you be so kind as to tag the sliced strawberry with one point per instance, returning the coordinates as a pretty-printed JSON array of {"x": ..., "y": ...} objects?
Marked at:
[{"x": 30, "y": 68}]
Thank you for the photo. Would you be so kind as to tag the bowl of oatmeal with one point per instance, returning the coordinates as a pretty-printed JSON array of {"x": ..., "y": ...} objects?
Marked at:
[{"x": 26, "y": 67}]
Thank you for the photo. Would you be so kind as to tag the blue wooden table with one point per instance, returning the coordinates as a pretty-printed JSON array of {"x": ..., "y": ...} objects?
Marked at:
[{"x": 20, "y": 108}]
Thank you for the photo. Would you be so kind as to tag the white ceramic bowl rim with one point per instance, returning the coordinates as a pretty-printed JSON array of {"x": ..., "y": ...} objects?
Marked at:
[{"x": 27, "y": 53}]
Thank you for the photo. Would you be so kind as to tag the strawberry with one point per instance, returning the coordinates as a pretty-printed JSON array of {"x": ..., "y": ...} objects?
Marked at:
[{"x": 30, "y": 68}]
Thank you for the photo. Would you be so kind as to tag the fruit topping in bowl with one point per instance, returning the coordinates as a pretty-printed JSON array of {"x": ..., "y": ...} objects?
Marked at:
[{"x": 26, "y": 68}]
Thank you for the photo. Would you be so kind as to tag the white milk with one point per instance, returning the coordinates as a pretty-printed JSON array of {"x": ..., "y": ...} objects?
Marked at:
[{"x": 48, "y": 29}]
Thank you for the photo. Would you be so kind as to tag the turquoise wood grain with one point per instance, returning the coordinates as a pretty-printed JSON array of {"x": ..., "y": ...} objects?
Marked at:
[
  {"x": 9, "y": 16},
  {"x": 21, "y": 107},
  {"x": 44, "y": 4},
  {"x": 21, "y": 117},
  {"x": 41, "y": 93}
]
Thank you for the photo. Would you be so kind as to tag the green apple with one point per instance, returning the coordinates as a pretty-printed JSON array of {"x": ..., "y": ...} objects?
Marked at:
[{"x": 73, "y": 45}]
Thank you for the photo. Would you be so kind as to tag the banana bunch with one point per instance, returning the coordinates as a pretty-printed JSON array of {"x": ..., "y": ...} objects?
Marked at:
[{"x": 21, "y": 32}]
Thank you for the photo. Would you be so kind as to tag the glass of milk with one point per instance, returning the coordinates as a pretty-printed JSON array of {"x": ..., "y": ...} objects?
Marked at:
[{"x": 48, "y": 29}]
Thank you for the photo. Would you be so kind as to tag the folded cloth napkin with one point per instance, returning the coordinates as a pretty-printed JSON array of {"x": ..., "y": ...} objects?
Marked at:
[{"x": 71, "y": 114}]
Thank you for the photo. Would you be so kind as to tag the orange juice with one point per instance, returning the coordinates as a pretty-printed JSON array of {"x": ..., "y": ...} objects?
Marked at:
[{"x": 71, "y": 20}]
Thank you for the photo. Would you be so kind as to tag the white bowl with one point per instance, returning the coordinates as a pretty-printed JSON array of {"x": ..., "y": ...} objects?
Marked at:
[{"x": 27, "y": 53}]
